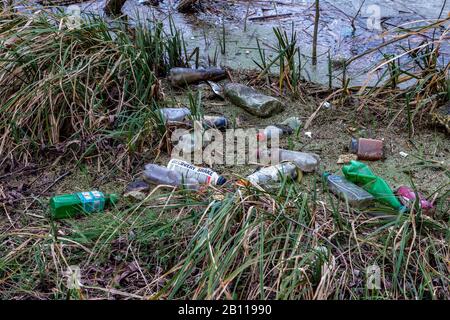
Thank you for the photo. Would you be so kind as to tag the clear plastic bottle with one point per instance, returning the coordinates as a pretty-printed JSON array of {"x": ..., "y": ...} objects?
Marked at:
[
  {"x": 163, "y": 176},
  {"x": 271, "y": 131},
  {"x": 273, "y": 174},
  {"x": 357, "y": 197},
  {"x": 174, "y": 114},
  {"x": 218, "y": 122},
  {"x": 190, "y": 142},
  {"x": 189, "y": 171},
  {"x": 293, "y": 122},
  {"x": 307, "y": 162}
]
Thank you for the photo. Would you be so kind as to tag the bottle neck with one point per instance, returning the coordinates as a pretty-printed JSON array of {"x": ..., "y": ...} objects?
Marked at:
[{"x": 353, "y": 148}]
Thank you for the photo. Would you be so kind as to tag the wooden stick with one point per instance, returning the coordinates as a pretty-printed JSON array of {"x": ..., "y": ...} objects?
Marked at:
[{"x": 274, "y": 16}]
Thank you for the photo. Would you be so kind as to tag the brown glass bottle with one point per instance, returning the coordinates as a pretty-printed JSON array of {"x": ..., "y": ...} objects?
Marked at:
[{"x": 367, "y": 149}]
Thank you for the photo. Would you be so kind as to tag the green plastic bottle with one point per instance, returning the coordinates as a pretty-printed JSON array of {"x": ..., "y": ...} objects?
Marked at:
[
  {"x": 361, "y": 175},
  {"x": 69, "y": 205}
]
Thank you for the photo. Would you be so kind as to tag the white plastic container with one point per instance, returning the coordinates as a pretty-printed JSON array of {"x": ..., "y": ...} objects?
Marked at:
[{"x": 174, "y": 114}]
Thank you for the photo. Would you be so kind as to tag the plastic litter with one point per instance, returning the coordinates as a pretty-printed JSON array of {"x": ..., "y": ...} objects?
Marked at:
[
  {"x": 293, "y": 122},
  {"x": 251, "y": 100},
  {"x": 184, "y": 76},
  {"x": 367, "y": 149},
  {"x": 273, "y": 174},
  {"x": 407, "y": 197},
  {"x": 189, "y": 171},
  {"x": 159, "y": 175},
  {"x": 306, "y": 162},
  {"x": 216, "y": 88},
  {"x": 69, "y": 205},
  {"x": 360, "y": 174},
  {"x": 218, "y": 122},
  {"x": 174, "y": 114},
  {"x": 271, "y": 131},
  {"x": 356, "y": 196}
]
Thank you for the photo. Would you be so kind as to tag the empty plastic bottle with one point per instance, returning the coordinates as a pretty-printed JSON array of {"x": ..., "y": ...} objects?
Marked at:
[
  {"x": 293, "y": 122},
  {"x": 356, "y": 196},
  {"x": 251, "y": 100},
  {"x": 307, "y": 162},
  {"x": 218, "y": 122},
  {"x": 271, "y": 131},
  {"x": 159, "y": 175},
  {"x": 191, "y": 142},
  {"x": 273, "y": 174},
  {"x": 68, "y": 205},
  {"x": 189, "y": 171},
  {"x": 367, "y": 149},
  {"x": 184, "y": 76},
  {"x": 360, "y": 174},
  {"x": 407, "y": 197},
  {"x": 174, "y": 114}
]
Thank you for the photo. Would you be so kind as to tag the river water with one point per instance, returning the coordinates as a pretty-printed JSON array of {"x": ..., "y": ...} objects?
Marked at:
[{"x": 337, "y": 38}]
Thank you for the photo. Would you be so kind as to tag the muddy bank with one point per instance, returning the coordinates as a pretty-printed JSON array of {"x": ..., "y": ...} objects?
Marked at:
[{"x": 426, "y": 165}]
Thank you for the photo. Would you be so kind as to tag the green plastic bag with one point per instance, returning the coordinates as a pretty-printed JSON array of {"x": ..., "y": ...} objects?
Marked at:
[{"x": 361, "y": 175}]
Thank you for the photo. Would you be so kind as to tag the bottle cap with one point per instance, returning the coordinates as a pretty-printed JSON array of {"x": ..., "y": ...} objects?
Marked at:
[
  {"x": 113, "y": 198},
  {"x": 260, "y": 136},
  {"x": 353, "y": 147},
  {"x": 220, "y": 181},
  {"x": 326, "y": 175},
  {"x": 243, "y": 183}
]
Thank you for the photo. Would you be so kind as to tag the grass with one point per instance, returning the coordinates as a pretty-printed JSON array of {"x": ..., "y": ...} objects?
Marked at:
[
  {"x": 86, "y": 86},
  {"x": 414, "y": 76},
  {"x": 286, "y": 55},
  {"x": 249, "y": 244}
]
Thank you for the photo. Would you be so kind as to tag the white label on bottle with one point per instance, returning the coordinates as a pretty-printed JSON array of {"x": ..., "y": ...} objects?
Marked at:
[{"x": 202, "y": 175}]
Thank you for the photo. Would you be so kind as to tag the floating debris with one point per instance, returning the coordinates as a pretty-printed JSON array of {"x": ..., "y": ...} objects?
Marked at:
[
  {"x": 251, "y": 100},
  {"x": 185, "y": 76}
]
